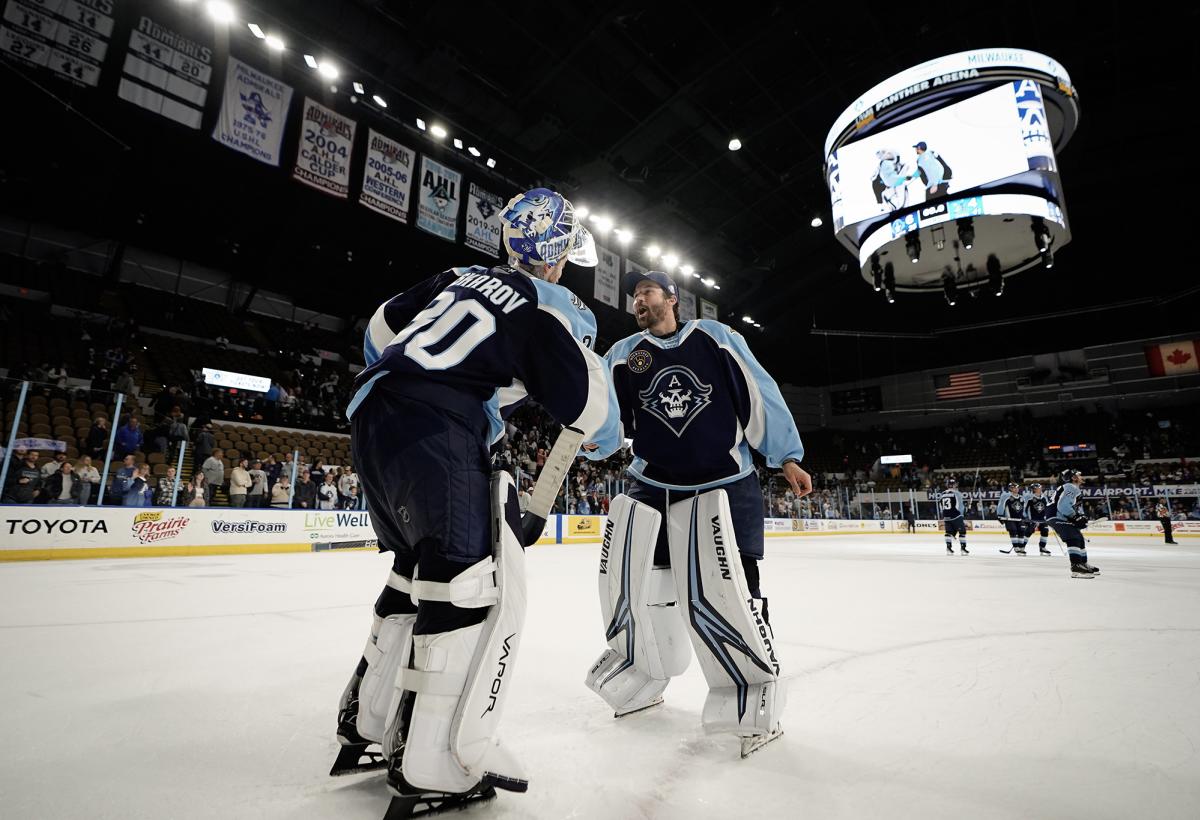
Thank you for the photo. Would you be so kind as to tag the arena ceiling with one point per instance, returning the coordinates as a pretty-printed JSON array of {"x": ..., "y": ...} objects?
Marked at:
[{"x": 629, "y": 110}]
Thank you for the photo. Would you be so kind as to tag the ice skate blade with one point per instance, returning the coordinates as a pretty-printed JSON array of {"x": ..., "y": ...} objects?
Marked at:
[
  {"x": 357, "y": 759},
  {"x": 750, "y": 745},
  {"x": 656, "y": 702}
]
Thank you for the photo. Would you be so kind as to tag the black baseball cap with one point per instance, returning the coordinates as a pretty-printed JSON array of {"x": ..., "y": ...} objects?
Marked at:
[
  {"x": 921, "y": 146},
  {"x": 631, "y": 280}
]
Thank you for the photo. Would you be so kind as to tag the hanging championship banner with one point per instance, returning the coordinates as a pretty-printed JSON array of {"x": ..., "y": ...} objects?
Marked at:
[
  {"x": 687, "y": 305},
  {"x": 608, "y": 274},
  {"x": 707, "y": 310},
  {"x": 326, "y": 140},
  {"x": 387, "y": 177},
  {"x": 631, "y": 267},
  {"x": 166, "y": 73},
  {"x": 253, "y": 109},
  {"x": 483, "y": 221},
  {"x": 68, "y": 37},
  {"x": 437, "y": 205}
]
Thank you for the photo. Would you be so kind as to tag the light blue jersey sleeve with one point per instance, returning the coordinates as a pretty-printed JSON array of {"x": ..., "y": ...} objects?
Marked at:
[
  {"x": 958, "y": 500},
  {"x": 767, "y": 421},
  {"x": 600, "y": 420}
]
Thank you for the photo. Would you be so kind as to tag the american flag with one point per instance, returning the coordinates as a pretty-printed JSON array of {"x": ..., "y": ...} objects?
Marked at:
[{"x": 958, "y": 385}]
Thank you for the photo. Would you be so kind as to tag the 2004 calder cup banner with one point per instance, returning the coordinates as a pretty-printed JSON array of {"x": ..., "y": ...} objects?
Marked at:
[
  {"x": 326, "y": 141},
  {"x": 387, "y": 177}
]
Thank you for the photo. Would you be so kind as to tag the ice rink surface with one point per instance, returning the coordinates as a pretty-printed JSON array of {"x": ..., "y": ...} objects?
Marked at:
[{"x": 921, "y": 686}]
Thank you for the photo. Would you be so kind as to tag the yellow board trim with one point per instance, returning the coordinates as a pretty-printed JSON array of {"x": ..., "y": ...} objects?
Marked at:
[{"x": 153, "y": 552}]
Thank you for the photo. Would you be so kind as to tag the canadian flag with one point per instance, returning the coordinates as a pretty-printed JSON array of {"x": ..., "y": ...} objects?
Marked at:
[{"x": 1173, "y": 358}]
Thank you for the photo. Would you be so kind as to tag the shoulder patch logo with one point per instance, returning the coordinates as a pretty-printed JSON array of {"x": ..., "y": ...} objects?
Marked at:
[
  {"x": 676, "y": 397},
  {"x": 639, "y": 361}
]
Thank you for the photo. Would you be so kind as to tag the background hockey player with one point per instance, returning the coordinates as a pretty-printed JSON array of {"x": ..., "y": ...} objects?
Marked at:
[
  {"x": 1010, "y": 509},
  {"x": 446, "y": 358},
  {"x": 1069, "y": 521},
  {"x": 1035, "y": 516},
  {"x": 695, "y": 402},
  {"x": 950, "y": 504}
]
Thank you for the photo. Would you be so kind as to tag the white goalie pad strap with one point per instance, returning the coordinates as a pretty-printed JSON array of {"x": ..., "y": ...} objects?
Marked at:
[
  {"x": 733, "y": 643},
  {"x": 386, "y": 654},
  {"x": 473, "y": 588},
  {"x": 398, "y": 582},
  {"x": 452, "y": 739}
]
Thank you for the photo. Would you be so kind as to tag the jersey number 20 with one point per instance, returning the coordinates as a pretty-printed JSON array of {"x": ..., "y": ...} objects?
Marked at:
[{"x": 438, "y": 321}]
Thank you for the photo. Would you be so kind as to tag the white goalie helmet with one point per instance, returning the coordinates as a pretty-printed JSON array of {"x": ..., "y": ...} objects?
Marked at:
[{"x": 540, "y": 228}]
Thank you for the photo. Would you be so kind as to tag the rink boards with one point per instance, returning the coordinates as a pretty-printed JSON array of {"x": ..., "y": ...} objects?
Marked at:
[{"x": 43, "y": 532}]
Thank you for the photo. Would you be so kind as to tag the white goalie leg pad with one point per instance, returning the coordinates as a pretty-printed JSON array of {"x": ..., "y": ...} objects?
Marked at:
[
  {"x": 386, "y": 652},
  {"x": 462, "y": 678},
  {"x": 733, "y": 642},
  {"x": 647, "y": 640}
]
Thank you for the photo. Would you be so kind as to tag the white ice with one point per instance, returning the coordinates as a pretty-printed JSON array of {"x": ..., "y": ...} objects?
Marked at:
[{"x": 921, "y": 686}]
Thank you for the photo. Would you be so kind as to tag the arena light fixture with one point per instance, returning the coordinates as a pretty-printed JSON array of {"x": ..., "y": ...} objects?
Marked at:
[
  {"x": 686, "y": 270},
  {"x": 966, "y": 232},
  {"x": 709, "y": 282},
  {"x": 747, "y": 320},
  {"x": 327, "y": 70},
  {"x": 912, "y": 245},
  {"x": 274, "y": 42},
  {"x": 491, "y": 163},
  {"x": 876, "y": 274},
  {"x": 889, "y": 282},
  {"x": 603, "y": 224},
  {"x": 220, "y": 11},
  {"x": 716, "y": 286},
  {"x": 472, "y": 150},
  {"x": 379, "y": 101},
  {"x": 255, "y": 30},
  {"x": 669, "y": 261},
  {"x": 358, "y": 87},
  {"x": 950, "y": 288},
  {"x": 735, "y": 144},
  {"x": 458, "y": 143},
  {"x": 695, "y": 274},
  {"x": 995, "y": 275},
  {"x": 420, "y": 123},
  {"x": 624, "y": 235},
  {"x": 816, "y": 222},
  {"x": 438, "y": 131},
  {"x": 310, "y": 60},
  {"x": 653, "y": 252}
]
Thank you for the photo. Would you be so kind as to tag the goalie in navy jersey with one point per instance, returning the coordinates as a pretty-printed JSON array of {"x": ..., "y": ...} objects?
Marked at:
[
  {"x": 687, "y": 538},
  {"x": 447, "y": 360}
]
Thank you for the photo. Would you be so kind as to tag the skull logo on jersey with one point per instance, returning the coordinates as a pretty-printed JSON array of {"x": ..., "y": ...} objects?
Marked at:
[{"x": 676, "y": 397}]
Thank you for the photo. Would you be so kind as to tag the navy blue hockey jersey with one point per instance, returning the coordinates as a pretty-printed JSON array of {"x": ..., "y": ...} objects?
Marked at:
[
  {"x": 494, "y": 336},
  {"x": 694, "y": 404},
  {"x": 950, "y": 504}
]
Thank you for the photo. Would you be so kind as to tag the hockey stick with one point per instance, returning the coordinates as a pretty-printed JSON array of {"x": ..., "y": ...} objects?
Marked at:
[{"x": 549, "y": 480}]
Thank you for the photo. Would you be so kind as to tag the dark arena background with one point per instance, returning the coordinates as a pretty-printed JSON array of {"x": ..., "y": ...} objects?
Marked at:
[{"x": 957, "y": 237}]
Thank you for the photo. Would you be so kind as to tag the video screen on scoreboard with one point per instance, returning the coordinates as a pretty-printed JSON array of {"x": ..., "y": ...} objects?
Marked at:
[{"x": 988, "y": 137}]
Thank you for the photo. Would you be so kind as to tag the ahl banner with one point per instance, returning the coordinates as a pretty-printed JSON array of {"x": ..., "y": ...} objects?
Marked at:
[
  {"x": 437, "y": 204},
  {"x": 687, "y": 305},
  {"x": 387, "y": 177},
  {"x": 326, "y": 141},
  {"x": 483, "y": 221},
  {"x": 253, "y": 110}
]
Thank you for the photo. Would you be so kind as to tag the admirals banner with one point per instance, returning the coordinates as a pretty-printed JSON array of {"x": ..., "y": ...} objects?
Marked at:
[
  {"x": 437, "y": 205},
  {"x": 483, "y": 221},
  {"x": 253, "y": 110},
  {"x": 687, "y": 305},
  {"x": 707, "y": 310},
  {"x": 68, "y": 37},
  {"x": 607, "y": 287},
  {"x": 167, "y": 72},
  {"x": 326, "y": 140},
  {"x": 387, "y": 177}
]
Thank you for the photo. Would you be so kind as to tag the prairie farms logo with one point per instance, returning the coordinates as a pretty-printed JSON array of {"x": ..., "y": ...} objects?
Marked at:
[{"x": 150, "y": 527}]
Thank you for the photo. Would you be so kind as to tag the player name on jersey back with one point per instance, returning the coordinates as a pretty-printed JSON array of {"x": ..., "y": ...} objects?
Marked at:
[{"x": 498, "y": 293}]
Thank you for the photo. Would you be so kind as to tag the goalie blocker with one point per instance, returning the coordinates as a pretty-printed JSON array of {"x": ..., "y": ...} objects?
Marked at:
[{"x": 711, "y": 603}]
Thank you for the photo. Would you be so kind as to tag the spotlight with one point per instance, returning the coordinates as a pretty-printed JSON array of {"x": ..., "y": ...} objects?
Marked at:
[
  {"x": 747, "y": 320},
  {"x": 358, "y": 87},
  {"x": 438, "y": 131},
  {"x": 876, "y": 273},
  {"x": 950, "y": 288},
  {"x": 602, "y": 224},
  {"x": 653, "y": 252},
  {"x": 220, "y": 11},
  {"x": 274, "y": 42},
  {"x": 995, "y": 275},
  {"x": 686, "y": 270},
  {"x": 420, "y": 123},
  {"x": 1041, "y": 233},
  {"x": 912, "y": 244},
  {"x": 327, "y": 70},
  {"x": 581, "y": 212},
  {"x": 670, "y": 261},
  {"x": 966, "y": 232},
  {"x": 310, "y": 60},
  {"x": 889, "y": 277},
  {"x": 816, "y": 222},
  {"x": 472, "y": 150},
  {"x": 735, "y": 144},
  {"x": 491, "y": 163},
  {"x": 1048, "y": 258},
  {"x": 255, "y": 30},
  {"x": 458, "y": 143},
  {"x": 624, "y": 235},
  {"x": 379, "y": 101}
]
